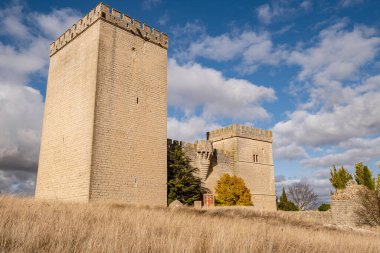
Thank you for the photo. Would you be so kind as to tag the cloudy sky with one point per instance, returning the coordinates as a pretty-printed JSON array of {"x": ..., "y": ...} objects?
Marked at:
[{"x": 308, "y": 70}]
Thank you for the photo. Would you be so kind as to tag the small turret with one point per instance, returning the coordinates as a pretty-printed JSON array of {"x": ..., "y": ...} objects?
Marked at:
[{"x": 203, "y": 159}]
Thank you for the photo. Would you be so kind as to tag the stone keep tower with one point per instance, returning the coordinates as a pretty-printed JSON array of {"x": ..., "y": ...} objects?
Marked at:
[
  {"x": 238, "y": 150},
  {"x": 252, "y": 160},
  {"x": 104, "y": 127}
]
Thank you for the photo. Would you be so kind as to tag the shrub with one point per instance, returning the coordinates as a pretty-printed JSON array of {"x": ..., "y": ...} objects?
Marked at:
[
  {"x": 231, "y": 190},
  {"x": 339, "y": 178},
  {"x": 285, "y": 204},
  {"x": 363, "y": 176},
  {"x": 369, "y": 210},
  {"x": 324, "y": 207}
]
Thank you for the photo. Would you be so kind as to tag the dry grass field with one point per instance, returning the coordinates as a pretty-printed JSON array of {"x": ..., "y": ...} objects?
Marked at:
[{"x": 27, "y": 225}]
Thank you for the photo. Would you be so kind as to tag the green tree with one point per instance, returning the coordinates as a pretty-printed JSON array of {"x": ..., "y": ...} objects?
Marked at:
[
  {"x": 324, "y": 207},
  {"x": 340, "y": 177},
  {"x": 378, "y": 182},
  {"x": 285, "y": 204},
  {"x": 231, "y": 190},
  {"x": 369, "y": 198},
  {"x": 283, "y": 198},
  {"x": 363, "y": 176},
  {"x": 183, "y": 184}
]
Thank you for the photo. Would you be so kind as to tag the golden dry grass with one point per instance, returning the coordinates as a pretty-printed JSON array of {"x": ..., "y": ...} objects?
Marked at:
[{"x": 34, "y": 226}]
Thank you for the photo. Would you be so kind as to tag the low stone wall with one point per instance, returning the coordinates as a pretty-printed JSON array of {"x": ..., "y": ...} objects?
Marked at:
[
  {"x": 345, "y": 204},
  {"x": 344, "y": 212}
]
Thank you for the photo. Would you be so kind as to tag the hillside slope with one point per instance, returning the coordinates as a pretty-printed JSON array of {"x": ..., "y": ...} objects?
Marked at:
[{"x": 27, "y": 225}]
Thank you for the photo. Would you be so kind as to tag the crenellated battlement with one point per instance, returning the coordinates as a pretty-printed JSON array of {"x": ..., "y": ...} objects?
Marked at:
[
  {"x": 203, "y": 146},
  {"x": 104, "y": 12},
  {"x": 237, "y": 130},
  {"x": 171, "y": 143},
  {"x": 198, "y": 145}
]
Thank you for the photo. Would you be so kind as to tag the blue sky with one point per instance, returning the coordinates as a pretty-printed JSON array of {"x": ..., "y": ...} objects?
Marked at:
[{"x": 308, "y": 70}]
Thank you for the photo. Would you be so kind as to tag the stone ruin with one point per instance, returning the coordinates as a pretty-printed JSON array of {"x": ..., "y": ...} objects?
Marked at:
[{"x": 345, "y": 204}]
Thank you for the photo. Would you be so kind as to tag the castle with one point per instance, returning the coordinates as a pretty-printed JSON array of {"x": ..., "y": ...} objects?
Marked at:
[
  {"x": 104, "y": 134},
  {"x": 238, "y": 150}
]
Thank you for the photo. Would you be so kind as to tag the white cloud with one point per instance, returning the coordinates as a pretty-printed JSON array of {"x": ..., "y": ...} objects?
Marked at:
[
  {"x": 53, "y": 24},
  {"x": 306, "y": 5},
  {"x": 17, "y": 182},
  {"x": 338, "y": 55},
  {"x": 356, "y": 149},
  {"x": 21, "y": 106},
  {"x": 11, "y": 22},
  {"x": 21, "y": 113},
  {"x": 149, "y": 4},
  {"x": 348, "y": 3},
  {"x": 254, "y": 49},
  {"x": 264, "y": 13},
  {"x": 190, "y": 28},
  {"x": 287, "y": 151},
  {"x": 193, "y": 87},
  {"x": 357, "y": 118},
  {"x": 189, "y": 129},
  {"x": 336, "y": 110},
  {"x": 205, "y": 97},
  {"x": 16, "y": 64},
  {"x": 319, "y": 181},
  {"x": 267, "y": 13},
  {"x": 164, "y": 19},
  {"x": 30, "y": 35}
]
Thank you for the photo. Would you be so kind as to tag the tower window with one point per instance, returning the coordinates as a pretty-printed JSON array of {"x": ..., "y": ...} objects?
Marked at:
[
  {"x": 137, "y": 100},
  {"x": 255, "y": 158}
]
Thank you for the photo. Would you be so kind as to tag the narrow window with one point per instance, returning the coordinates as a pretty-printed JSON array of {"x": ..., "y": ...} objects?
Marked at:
[
  {"x": 255, "y": 158},
  {"x": 137, "y": 100},
  {"x": 103, "y": 15}
]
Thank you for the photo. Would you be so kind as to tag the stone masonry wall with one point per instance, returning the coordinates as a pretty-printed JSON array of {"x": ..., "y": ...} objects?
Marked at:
[
  {"x": 129, "y": 154},
  {"x": 242, "y": 151},
  {"x": 220, "y": 162},
  {"x": 104, "y": 134},
  {"x": 345, "y": 203},
  {"x": 259, "y": 174},
  {"x": 113, "y": 16},
  {"x": 66, "y": 143},
  {"x": 252, "y": 160}
]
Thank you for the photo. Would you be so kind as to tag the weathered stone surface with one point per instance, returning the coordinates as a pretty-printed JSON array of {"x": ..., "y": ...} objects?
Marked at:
[
  {"x": 104, "y": 129},
  {"x": 345, "y": 204},
  {"x": 238, "y": 150},
  {"x": 176, "y": 204},
  {"x": 198, "y": 204}
]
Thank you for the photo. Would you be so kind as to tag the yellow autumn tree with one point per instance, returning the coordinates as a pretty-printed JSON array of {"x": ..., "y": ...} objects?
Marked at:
[{"x": 231, "y": 191}]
